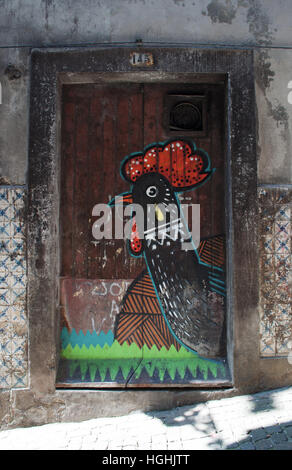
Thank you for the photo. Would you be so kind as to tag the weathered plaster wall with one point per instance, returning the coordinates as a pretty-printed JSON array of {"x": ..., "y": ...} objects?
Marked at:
[
  {"x": 201, "y": 21},
  {"x": 14, "y": 64},
  {"x": 273, "y": 74},
  {"x": 265, "y": 26},
  {"x": 26, "y": 24}
]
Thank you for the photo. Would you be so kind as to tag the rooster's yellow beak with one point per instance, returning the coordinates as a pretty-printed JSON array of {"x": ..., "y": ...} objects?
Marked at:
[{"x": 158, "y": 213}]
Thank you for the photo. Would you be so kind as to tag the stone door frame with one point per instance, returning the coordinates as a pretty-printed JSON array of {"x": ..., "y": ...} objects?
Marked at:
[{"x": 49, "y": 70}]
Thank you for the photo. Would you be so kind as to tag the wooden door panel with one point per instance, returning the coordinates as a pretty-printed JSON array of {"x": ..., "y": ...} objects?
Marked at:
[
  {"x": 108, "y": 335},
  {"x": 101, "y": 125}
]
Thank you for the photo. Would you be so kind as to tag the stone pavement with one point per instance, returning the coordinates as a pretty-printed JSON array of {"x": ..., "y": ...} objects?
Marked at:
[{"x": 250, "y": 422}]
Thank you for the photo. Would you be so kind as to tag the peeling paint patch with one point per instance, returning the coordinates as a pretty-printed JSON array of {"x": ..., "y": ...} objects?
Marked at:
[
  {"x": 280, "y": 115},
  {"x": 12, "y": 72},
  {"x": 264, "y": 74},
  {"x": 4, "y": 181},
  {"x": 220, "y": 12},
  {"x": 259, "y": 23}
]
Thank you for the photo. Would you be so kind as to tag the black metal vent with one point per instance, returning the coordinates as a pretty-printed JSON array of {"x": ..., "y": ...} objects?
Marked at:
[
  {"x": 186, "y": 113},
  {"x": 185, "y": 116}
]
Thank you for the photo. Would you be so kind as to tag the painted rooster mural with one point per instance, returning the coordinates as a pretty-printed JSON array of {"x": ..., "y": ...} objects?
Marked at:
[{"x": 179, "y": 299}]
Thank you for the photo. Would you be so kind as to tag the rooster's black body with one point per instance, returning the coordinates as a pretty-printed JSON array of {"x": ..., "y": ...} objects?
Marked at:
[{"x": 179, "y": 299}]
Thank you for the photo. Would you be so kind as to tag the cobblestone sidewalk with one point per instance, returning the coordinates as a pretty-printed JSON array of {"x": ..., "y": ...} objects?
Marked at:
[{"x": 261, "y": 421}]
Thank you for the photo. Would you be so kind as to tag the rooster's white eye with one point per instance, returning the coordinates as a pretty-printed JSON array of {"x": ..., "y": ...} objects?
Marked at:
[{"x": 151, "y": 191}]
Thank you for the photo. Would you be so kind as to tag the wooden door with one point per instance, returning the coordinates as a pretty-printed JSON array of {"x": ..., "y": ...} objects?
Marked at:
[{"x": 115, "y": 328}]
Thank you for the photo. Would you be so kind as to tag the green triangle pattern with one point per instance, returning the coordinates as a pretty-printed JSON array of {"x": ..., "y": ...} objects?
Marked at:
[{"x": 112, "y": 359}]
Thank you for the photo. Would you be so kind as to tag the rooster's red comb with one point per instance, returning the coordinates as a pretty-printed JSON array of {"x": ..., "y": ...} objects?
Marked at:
[{"x": 177, "y": 160}]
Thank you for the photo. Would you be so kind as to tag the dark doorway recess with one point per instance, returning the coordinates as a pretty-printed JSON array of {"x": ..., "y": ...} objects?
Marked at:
[{"x": 191, "y": 72}]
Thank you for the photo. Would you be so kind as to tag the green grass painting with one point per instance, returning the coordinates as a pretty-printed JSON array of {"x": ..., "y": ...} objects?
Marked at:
[{"x": 110, "y": 359}]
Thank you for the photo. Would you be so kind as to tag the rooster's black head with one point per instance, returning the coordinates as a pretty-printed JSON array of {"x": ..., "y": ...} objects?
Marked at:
[
  {"x": 157, "y": 174},
  {"x": 153, "y": 189}
]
